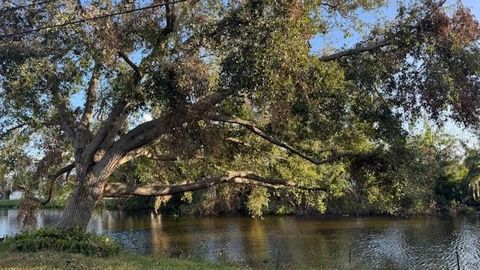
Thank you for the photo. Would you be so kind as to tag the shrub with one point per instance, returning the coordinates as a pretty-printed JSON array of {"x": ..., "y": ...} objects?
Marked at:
[{"x": 72, "y": 241}]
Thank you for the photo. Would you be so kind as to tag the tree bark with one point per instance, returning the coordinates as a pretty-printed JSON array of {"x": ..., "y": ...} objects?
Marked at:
[
  {"x": 90, "y": 182},
  {"x": 81, "y": 204},
  {"x": 233, "y": 177}
]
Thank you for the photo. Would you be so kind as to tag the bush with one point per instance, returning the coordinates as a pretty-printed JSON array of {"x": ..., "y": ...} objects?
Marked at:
[
  {"x": 72, "y": 241},
  {"x": 458, "y": 208}
]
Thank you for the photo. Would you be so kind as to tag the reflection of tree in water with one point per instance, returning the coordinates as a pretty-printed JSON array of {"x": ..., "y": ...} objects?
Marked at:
[
  {"x": 28, "y": 210},
  {"x": 135, "y": 231},
  {"x": 238, "y": 240},
  {"x": 427, "y": 243},
  {"x": 178, "y": 236},
  {"x": 126, "y": 220},
  {"x": 292, "y": 242},
  {"x": 160, "y": 241},
  {"x": 313, "y": 243},
  {"x": 221, "y": 239},
  {"x": 8, "y": 222},
  {"x": 256, "y": 243}
]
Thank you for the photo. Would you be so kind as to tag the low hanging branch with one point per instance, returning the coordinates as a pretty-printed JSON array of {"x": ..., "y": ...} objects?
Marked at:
[
  {"x": 256, "y": 130},
  {"x": 53, "y": 178},
  {"x": 155, "y": 189}
]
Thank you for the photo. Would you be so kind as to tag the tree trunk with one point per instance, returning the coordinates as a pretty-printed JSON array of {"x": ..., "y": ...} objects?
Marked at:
[
  {"x": 88, "y": 191},
  {"x": 81, "y": 204}
]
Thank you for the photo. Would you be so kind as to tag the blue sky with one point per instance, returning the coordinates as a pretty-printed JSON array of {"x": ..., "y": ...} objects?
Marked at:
[{"x": 337, "y": 40}]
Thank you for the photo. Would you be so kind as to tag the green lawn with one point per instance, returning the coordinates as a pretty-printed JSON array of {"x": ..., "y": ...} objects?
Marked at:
[
  {"x": 9, "y": 203},
  {"x": 59, "y": 260}
]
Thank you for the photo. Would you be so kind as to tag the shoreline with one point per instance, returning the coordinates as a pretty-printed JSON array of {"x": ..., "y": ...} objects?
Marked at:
[{"x": 440, "y": 212}]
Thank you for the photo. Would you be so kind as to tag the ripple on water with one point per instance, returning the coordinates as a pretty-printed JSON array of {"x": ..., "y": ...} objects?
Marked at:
[{"x": 327, "y": 243}]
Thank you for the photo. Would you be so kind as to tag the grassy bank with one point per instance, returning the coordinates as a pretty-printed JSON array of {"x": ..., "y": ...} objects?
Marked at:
[
  {"x": 8, "y": 204},
  {"x": 60, "y": 260},
  {"x": 49, "y": 248}
]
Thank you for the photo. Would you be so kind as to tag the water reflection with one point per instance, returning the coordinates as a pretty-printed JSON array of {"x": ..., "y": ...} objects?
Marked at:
[{"x": 290, "y": 243}]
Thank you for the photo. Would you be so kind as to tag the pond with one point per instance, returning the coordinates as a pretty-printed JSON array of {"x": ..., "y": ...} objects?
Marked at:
[{"x": 290, "y": 242}]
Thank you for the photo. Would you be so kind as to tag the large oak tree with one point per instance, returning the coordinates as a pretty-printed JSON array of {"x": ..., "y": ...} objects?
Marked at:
[{"x": 229, "y": 87}]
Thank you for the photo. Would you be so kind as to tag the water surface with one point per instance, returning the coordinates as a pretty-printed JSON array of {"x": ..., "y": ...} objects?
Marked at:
[{"x": 290, "y": 242}]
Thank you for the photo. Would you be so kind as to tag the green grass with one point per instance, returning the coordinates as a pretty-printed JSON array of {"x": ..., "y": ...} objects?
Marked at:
[
  {"x": 52, "y": 249},
  {"x": 8, "y": 204},
  {"x": 60, "y": 260}
]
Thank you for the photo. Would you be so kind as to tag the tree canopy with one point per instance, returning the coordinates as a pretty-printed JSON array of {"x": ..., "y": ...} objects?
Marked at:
[{"x": 186, "y": 95}]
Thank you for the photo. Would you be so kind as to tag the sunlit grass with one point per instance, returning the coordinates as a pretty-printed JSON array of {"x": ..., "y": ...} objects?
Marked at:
[{"x": 60, "y": 260}]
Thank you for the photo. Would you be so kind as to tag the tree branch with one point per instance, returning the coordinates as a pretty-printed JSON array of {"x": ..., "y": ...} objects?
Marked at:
[
  {"x": 256, "y": 130},
  {"x": 434, "y": 7},
  {"x": 107, "y": 130},
  {"x": 25, "y": 124},
  {"x": 9, "y": 130},
  {"x": 65, "y": 115},
  {"x": 104, "y": 138},
  {"x": 53, "y": 178},
  {"x": 360, "y": 49},
  {"x": 91, "y": 97},
  {"x": 148, "y": 133},
  {"x": 120, "y": 189},
  {"x": 144, "y": 152},
  {"x": 135, "y": 68},
  {"x": 171, "y": 26}
]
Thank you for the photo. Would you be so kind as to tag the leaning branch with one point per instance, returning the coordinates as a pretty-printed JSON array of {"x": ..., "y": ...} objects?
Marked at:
[
  {"x": 147, "y": 153},
  {"x": 358, "y": 50},
  {"x": 248, "y": 178},
  {"x": 149, "y": 133},
  {"x": 53, "y": 178},
  {"x": 256, "y": 130}
]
